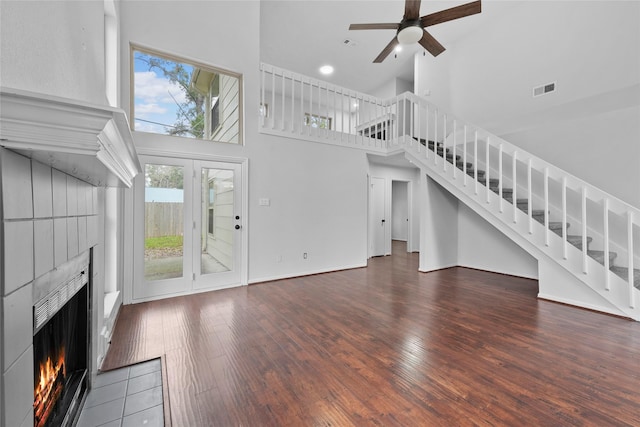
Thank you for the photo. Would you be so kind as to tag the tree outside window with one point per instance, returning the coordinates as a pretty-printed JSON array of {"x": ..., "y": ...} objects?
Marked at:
[{"x": 316, "y": 121}]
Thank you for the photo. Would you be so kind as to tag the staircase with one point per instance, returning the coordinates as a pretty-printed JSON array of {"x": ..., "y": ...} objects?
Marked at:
[
  {"x": 538, "y": 215},
  {"x": 568, "y": 225}
]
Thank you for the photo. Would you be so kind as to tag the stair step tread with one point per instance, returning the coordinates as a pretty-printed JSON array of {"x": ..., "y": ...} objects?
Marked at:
[
  {"x": 599, "y": 256},
  {"x": 493, "y": 182},
  {"x": 576, "y": 240},
  {"x": 471, "y": 172},
  {"x": 556, "y": 227},
  {"x": 558, "y": 224},
  {"x": 460, "y": 164},
  {"x": 623, "y": 273},
  {"x": 518, "y": 201}
]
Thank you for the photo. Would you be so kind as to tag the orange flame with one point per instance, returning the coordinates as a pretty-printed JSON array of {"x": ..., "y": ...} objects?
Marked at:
[{"x": 49, "y": 387}]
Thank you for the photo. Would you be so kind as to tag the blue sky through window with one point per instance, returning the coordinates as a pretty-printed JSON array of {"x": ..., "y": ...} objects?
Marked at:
[{"x": 157, "y": 100}]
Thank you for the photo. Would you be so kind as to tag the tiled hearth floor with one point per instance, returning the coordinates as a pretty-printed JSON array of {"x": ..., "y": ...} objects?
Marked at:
[{"x": 126, "y": 397}]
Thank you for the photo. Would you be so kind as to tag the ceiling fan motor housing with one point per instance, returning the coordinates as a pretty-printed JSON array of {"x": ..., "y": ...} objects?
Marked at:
[{"x": 409, "y": 31}]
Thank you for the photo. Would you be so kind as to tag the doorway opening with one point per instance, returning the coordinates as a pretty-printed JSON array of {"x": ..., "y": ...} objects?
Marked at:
[{"x": 400, "y": 215}]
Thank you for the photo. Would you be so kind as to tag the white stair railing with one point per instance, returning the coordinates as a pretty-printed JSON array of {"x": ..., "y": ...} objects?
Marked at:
[
  {"x": 297, "y": 106},
  {"x": 587, "y": 208},
  {"x": 293, "y": 105}
]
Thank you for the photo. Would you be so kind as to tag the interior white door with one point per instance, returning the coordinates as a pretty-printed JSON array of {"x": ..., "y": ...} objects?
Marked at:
[
  {"x": 378, "y": 220},
  {"x": 187, "y": 227}
]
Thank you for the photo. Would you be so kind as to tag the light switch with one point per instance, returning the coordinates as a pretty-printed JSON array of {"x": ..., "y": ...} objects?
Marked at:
[{"x": 264, "y": 202}]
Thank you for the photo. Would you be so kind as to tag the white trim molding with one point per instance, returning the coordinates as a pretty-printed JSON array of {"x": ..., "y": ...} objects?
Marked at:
[{"x": 88, "y": 141}]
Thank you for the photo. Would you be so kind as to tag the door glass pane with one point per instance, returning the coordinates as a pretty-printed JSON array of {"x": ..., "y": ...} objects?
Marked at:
[
  {"x": 163, "y": 222},
  {"x": 217, "y": 231}
]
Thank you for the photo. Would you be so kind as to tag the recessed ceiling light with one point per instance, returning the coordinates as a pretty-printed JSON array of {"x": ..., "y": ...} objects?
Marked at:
[
  {"x": 398, "y": 48},
  {"x": 326, "y": 70}
]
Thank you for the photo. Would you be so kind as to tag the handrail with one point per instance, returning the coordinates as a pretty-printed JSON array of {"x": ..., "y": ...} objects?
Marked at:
[
  {"x": 573, "y": 182},
  {"x": 355, "y": 119}
]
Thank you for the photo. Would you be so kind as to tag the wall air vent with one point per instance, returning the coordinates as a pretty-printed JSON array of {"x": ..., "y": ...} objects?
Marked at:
[{"x": 544, "y": 89}]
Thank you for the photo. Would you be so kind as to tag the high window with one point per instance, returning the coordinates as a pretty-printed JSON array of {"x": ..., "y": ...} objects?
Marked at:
[
  {"x": 173, "y": 96},
  {"x": 316, "y": 121}
]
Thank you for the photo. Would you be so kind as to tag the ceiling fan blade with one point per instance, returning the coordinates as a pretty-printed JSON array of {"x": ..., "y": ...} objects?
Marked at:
[
  {"x": 373, "y": 26},
  {"x": 451, "y": 14},
  {"x": 412, "y": 9},
  {"x": 431, "y": 44},
  {"x": 386, "y": 51}
]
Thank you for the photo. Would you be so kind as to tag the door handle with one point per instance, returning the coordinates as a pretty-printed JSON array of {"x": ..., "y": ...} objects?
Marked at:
[{"x": 383, "y": 221}]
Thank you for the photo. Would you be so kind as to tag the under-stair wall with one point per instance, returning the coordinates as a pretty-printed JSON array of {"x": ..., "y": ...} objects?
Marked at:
[
  {"x": 549, "y": 213},
  {"x": 479, "y": 177}
]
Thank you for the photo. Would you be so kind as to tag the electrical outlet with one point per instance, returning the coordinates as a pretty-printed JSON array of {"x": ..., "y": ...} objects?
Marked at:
[
  {"x": 304, "y": 255},
  {"x": 279, "y": 258}
]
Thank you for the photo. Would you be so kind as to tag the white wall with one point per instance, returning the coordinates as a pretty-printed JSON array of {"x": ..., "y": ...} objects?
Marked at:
[
  {"x": 439, "y": 227},
  {"x": 483, "y": 247},
  {"x": 603, "y": 149},
  {"x": 54, "y": 47},
  {"x": 393, "y": 87},
  {"x": 317, "y": 191},
  {"x": 591, "y": 49}
]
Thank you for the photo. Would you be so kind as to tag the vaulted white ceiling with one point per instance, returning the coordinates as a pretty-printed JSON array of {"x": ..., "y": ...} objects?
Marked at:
[{"x": 302, "y": 35}]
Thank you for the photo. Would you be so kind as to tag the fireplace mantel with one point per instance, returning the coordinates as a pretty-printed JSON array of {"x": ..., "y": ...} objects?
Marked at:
[{"x": 88, "y": 141}]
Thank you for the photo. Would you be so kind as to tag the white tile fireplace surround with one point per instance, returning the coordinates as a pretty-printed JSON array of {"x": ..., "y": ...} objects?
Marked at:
[
  {"x": 50, "y": 219},
  {"x": 56, "y": 157}
]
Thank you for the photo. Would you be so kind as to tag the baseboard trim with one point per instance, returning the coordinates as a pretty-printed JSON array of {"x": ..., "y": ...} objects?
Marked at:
[
  {"x": 578, "y": 304},
  {"x": 499, "y": 272},
  {"x": 303, "y": 274},
  {"x": 444, "y": 267}
]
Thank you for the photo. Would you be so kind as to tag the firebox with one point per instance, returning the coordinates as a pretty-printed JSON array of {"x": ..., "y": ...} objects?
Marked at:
[{"x": 61, "y": 352}]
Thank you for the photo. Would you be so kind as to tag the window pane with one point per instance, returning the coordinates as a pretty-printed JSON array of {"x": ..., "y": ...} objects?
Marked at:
[
  {"x": 175, "y": 97},
  {"x": 164, "y": 223},
  {"x": 217, "y": 214}
]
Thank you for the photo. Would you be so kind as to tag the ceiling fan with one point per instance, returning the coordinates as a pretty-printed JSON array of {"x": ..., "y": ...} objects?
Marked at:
[{"x": 412, "y": 27}]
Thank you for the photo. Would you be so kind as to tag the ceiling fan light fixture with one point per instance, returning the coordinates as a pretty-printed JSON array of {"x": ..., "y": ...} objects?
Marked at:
[{"x": 409, "y": 35}]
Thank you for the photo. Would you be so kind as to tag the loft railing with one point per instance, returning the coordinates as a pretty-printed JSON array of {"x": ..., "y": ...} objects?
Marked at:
[
  {"x": 408, "y": 122},
  {"x": 293, "y": 105}
]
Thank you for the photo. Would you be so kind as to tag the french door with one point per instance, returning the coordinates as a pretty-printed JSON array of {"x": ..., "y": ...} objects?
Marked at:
[{"x": 188, "y": 226}]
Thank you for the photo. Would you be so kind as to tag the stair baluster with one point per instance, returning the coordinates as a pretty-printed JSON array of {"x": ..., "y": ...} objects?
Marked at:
[
  {"x": 546, "y": 206},
  {"x": 564, "y": 217},
  {"x": 605, "y": 232},
  {"x": 631, "y": 274},
  {"x": 530, "y": 197},
  {"x": 584, "y": 230},
  {"x": 500, "y": 149},
  {"x": 487, "y": 170},
  {"x": 444, "y": 143},
  {"x": 475, "y": 155}
]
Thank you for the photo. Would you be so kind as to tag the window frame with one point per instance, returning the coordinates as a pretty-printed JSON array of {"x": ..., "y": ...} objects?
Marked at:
[
  {"x": 309, "y": 117},
  {"x": 133, "y": 47}
]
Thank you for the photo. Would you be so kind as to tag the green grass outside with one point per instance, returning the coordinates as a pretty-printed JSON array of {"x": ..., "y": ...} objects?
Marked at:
[{"x": 163, "y": 242}]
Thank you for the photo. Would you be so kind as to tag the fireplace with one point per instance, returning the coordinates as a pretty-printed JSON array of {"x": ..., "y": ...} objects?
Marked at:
[{"x": 61, "y": 348}]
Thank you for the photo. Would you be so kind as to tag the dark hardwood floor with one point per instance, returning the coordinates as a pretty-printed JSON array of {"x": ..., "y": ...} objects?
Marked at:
[{"x": 386, "y": 345}]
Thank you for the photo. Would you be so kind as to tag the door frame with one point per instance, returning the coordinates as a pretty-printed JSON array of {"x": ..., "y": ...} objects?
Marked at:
[
  {"x": 388, "y": 185},
  {"x": 410, "y": 222},
  {"x": 373, "y": 225},
  {"x": 130, "y": 230}
]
